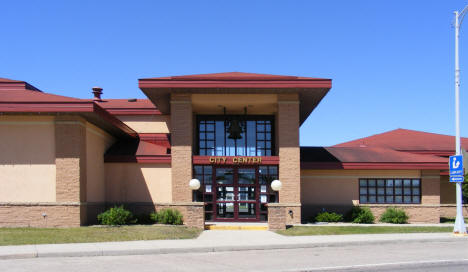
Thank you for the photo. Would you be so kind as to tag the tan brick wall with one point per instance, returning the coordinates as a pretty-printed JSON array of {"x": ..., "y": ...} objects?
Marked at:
[
  {"x": 181, "y": 141},
  {"x": 276, "y": 217},
  {"x": 31, "y": 215},
  {"x": 193, "y": 212},
  {"x": 282, "y": 214},
  {"x": 450, "y": 210},
  {"x": 430, "y": 187},
  {"x": 447, "y": 191},
  {"x": 416, "y": 213},
  {"x": 70, "y": 161},
  {"x": 289, "y": 152}
]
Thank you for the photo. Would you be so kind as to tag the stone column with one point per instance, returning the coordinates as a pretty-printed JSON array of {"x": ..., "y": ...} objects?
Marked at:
[
  {"x": 70, "y": 162},
  {"x": 289, "y": 154},
  {"x": 181, "y": 146}
]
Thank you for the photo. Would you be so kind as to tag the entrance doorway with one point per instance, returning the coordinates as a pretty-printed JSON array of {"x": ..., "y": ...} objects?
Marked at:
[{"x": 236, "y": 193}]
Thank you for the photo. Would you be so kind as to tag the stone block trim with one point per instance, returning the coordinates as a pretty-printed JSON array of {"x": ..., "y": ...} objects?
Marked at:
[
  {"x": 70, "y": 159},
  {"x": 181, "y": 142},
  {"x": 416, "y": 213},
  {"x": 32, "y": 215}
]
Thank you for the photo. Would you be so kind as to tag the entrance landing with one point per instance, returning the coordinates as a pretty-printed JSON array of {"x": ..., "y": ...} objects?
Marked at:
[{"x": 235, "y": 226}]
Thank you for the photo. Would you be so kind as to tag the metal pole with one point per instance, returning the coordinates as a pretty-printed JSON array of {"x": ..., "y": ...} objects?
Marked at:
[{"x": 459, "y": 227}]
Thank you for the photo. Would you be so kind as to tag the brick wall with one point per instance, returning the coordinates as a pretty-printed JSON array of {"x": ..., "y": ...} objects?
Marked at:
[
  {"x": 430, "y": 187},
  {"x": 181, "y": 142},
  {"x": 416, "y": 213},
  {"x": 32, "y": 215},
  {"x": 193, "y": 212},
  {"x": 70, "y": 159},
  {"x": 289, "y": 152},
  {"x": 450, "y": 210}
]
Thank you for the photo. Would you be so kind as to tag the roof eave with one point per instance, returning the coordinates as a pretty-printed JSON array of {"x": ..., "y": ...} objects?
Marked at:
[{"x": 87, "y": 109}]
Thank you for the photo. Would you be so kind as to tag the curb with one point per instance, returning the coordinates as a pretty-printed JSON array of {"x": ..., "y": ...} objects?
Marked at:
[{"x": 154, "y": 251}]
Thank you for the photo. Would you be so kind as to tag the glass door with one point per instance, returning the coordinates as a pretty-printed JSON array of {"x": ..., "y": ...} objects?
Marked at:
[
  {"x": 247, "y": 196},
  {"x": 236, "y": 194},
  {"x": 225, "y": 193}
]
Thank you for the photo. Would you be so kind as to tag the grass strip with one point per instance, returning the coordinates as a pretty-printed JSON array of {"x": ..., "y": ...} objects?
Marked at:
[
  {"x": 340, "y": 230},
  {"x": 28, "y": 236}
]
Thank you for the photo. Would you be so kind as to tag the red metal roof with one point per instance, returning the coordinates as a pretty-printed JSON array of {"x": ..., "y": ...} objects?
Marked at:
[
  {"x": 367, "y": 158},
  {"x": 233, "y": 76},
  {"x": 407, "y": 140},
  {"x": 7, "y": 95},
  {"x": 129, "y": 106},
  {"x": 21, "y": 97},
  {"x": 3, "y": 80},
  {"x": 311, "y": 90}
]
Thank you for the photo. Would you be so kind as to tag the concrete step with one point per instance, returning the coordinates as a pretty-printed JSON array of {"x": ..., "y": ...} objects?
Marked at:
[{"x": 236, "y": 226}]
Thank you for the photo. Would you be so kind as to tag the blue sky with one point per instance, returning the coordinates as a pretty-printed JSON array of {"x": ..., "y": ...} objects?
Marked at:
[{"x": 391, "y": 61}]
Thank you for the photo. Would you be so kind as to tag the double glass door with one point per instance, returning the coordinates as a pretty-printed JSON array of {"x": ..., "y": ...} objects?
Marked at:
[{"x": 237, "y": 196}]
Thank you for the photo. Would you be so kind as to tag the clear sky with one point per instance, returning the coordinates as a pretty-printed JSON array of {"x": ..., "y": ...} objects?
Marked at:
[{"x": 391, "y": 61}]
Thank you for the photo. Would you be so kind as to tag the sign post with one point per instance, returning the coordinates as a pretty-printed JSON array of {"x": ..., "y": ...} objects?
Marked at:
[{"x": 456, "y": 162}]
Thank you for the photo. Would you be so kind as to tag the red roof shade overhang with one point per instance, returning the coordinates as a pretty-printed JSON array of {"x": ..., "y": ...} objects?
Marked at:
[
  {"x": 87, "y": 109},
  {"x": 310, "y": 90}
]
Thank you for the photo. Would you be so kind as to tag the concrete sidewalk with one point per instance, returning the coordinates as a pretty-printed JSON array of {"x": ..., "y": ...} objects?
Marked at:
[{"x": 214, "y": 241}]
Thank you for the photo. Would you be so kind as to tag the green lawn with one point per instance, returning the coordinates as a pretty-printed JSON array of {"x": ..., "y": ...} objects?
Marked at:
[
  {"x": 336, "y": 230},
  {"x": 24, "y": 236}
]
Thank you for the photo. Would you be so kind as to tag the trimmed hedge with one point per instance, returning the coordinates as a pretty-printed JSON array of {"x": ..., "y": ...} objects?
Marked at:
[{"x": 394, "y": 216}]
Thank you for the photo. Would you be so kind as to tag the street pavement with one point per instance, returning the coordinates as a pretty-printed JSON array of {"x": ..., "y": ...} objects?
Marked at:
[
  {"x": 215, "y": 241},
  {"x": 399, "y": 255}
]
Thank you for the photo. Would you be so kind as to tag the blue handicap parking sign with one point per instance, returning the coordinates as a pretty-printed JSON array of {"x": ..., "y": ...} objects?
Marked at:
[{"x": 456, "y": 168}]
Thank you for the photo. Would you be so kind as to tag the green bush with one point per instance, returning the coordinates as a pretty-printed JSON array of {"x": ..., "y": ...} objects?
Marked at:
[
  {"x": 394, "y": 216},
  {"x": 116, "y": 216},
  {"x": 328, "y": 217},
  {"x": 167, "y": 216},
  {"x": 361, "y": 215}
]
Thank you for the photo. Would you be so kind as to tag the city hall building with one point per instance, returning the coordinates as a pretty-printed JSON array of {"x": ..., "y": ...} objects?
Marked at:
[{"x": 63, "y": 160}]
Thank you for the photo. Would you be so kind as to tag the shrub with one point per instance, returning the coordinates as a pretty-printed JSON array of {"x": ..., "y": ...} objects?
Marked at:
[
  {"x": 167, "y": 216},
  {"x": 361, "y": 215},
  {"x": 116, "y": 216},
  {"x": 394, "y": 216},
  {"x": 328, "y": 217}
]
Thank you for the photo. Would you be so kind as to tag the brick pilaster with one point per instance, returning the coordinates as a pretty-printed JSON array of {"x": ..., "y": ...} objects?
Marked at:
[
  {"x": 430, "y": 187},
  {"x": 181, "y": 146},
  {"x": 70, "y": 160},
  {"x": 288, "y": 147}
]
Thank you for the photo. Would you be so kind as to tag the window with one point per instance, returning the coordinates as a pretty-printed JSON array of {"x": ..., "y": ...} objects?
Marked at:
[
  {"x": 255, "y": 136},
  {"x": 390, "y": 191}
]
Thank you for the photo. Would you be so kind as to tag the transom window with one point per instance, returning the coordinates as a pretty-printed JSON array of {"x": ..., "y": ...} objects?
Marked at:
[
  {"x": 235, "y": 135},
  {"x": 399, "y": 191}
]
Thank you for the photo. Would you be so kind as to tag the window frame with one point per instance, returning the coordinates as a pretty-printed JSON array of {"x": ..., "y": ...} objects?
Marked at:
[
  {"x": 257, "y": 118},
  {"x": 393, "y": 194}
]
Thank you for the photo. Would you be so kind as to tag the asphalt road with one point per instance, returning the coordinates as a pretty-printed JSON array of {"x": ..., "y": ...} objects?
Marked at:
[{"x": 404, "y": 256}]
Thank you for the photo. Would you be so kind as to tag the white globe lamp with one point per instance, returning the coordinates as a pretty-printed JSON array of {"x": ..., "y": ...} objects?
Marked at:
[
  {"x": 194, "y": 184},
  {"x": 276, "y": 185}
]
